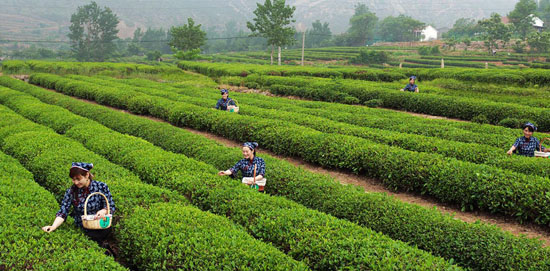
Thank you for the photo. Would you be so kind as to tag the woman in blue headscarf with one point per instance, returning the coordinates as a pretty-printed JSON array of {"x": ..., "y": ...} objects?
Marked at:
[
  {"x": 75, "y": 197},
  {"x": 411, "y": 86},
  {"x": 247, "y": 165},
  {"x": 527, "y": 144},
  {"x": 224, "y": 101}
]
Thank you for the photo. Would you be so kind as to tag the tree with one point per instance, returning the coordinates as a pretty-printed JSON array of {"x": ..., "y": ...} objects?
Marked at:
[
  {"x": 235, "y": 39},
  {"x": 543, "y": 11},
  {"x": 138, "y": 35},
  {"x": 539, "y": 42},
  {"x": 155, "y": 40},
  {"x": 153, "y": 55},
  {"x": 272, "y": 22},
  {"x": 187, "y": 37},
  {"x": 400, "y": 28},
  {"x": 188, "y": 55},
  {"x": 519, "y": 46},
  {"x": 362, "y": 27},
  {"x": 318, "y": 35},
  {"x": 370, "y": 57},
  {"x": 462, "y": 28},
  {"x": 494, "y": 30},
  {"x": 467, "y": 42},
  {"x": 427, "y": 50},
  {"x": 451, "y": 43},
  {"x": 93, "y": 32},
  {"x": 33, "y": 52},
  {"x": 230, "y": 31},
  {"x": 522, "y": 17},
  {"x": 134, "y": 49},
  {"x": 342, "y": 39}
]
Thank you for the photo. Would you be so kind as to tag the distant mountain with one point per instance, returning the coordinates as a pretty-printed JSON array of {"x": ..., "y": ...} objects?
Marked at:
[{"x": 49, "y": 19}]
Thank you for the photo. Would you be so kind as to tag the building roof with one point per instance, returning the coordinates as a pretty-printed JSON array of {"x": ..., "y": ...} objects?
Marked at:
[{"x": 537, "y": 22}]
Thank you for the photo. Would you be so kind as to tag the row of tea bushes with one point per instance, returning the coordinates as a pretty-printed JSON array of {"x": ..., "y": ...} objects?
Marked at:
[
  {"x": 400, "y": 221},
  {"x": 289, "y": 226},
  {"x": 25, "y": 208},
  {"x": 47, "y": 155}
]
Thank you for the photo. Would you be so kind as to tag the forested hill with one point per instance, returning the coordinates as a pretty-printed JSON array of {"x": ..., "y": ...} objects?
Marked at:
[{"x": 32, "y": 19}]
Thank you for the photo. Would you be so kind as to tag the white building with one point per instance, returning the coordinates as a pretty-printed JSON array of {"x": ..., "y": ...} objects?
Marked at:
[
  {"x": 537, "y": 22},
  {"x": 429, "y": 33}
]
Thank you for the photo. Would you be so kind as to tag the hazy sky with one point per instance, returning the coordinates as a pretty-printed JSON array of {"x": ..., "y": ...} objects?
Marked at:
[{"x": 32, "y": 18}]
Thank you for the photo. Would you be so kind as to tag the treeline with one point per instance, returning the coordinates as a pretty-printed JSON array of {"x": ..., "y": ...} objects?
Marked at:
[
  {"x": 521, "y": 29},
  {"x": 364, "y": 28}
]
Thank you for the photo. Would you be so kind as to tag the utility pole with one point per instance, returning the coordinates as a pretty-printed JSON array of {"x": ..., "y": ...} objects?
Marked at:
[
  {"x": 303, "y": 45},
  {"x": 279, "y": 56}
]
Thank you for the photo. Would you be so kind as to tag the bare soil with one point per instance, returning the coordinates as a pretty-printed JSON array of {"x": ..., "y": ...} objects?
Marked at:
[
  {"x": 508, "y": 224},
  {"x": 372, "y": 185},
  {"x": 425, "y": 115},
  {"x": 242, "y": 89}
]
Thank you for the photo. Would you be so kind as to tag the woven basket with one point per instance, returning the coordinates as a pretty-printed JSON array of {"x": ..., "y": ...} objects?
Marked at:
[
  {"x": 233, "y": 108},
  {"x": 541, "y": 153},
  {"x": 255, "y": 185},
  {"x": 88, "y": 221}
]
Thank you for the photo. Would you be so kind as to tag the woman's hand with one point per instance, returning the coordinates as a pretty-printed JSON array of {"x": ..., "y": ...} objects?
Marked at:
[
  {"x": 511, "y": 151},
  {"x": 100, "y": 214},
  {"x": 56, "y": 223},
  {"x": 48, "y": 229},
  {"x": 224, "y": 173}
]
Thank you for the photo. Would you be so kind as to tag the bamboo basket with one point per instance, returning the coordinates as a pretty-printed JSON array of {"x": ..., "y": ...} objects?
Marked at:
[
  {"x": 233, "y": 108},
  {"x": 88, "y": 221},
  {"x": 255, "y": 185},
  {"x": 542, "y": 154}
]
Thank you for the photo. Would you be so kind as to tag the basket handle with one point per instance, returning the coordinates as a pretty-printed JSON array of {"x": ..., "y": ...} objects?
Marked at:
[
  {"x": 86, "y": 203},
  {"x": 254, "y": 178},
  {"x": 540, "y": 143}
]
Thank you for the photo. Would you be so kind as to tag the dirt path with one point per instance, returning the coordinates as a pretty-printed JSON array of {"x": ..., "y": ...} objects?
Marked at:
[
  {"x": 530, "y": 230},
  {"x": 371, "y": 185},
  {"x": 426, "y": 116},
  {"x": 242, "y": 89}
]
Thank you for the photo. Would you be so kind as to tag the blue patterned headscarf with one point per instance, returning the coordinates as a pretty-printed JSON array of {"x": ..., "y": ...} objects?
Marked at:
[
  {"x": 82, "y": 165},
  {"x": 412, "y": 77},
  {"x": 529, "y": 125},
  {"x": 251, "y": 145},
  {"x": 224, "y": 91}
]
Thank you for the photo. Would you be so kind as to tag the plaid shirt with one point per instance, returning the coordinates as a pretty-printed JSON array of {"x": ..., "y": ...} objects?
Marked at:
[
  {"x": 222, "y": 104},
  {"x": 411, "y": 88},
  {"x": 247, "y": 167},
  {"x": 76, "y": 198},
  {"x": 527, "y": 147}
]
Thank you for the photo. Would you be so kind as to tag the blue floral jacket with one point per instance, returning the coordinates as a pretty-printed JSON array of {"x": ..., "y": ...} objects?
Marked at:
[
  {"x": 76, "y": 197},
  {"x": 247, "y": 167}
]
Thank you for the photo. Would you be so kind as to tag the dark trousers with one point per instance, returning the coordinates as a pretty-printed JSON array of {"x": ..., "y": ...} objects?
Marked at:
[{"x": 98, "y": 235}]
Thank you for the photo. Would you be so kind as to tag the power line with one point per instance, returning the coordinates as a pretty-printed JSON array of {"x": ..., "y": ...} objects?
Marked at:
[
  {"x": 144, "y": 41},
  {"x": 129, "y": 41},
  {"x": 121, "y": 41}
]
